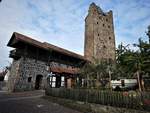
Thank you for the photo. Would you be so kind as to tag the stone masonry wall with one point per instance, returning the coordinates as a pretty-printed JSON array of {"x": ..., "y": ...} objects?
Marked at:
[
  {"x": 25, "y": 68},
  {"x": 99, "y": 34},
  {"x": 12, "y": 79}
]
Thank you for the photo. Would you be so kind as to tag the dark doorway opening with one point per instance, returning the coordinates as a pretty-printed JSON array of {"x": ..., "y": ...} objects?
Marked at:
[
  {"x": 1, "y": 78},
  {"x": 58, "y": 81},
  {"x": 38, "y": 82}
]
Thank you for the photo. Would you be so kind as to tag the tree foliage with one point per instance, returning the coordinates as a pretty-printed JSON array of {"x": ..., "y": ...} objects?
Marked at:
[{"x": 128, "y": 63}]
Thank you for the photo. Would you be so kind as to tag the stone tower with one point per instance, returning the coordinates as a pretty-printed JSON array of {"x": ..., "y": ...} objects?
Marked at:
[{"x": 99, "y": 35}]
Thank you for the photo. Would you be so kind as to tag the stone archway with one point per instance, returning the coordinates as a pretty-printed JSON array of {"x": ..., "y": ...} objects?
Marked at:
[{"x": 38, "y": 82}]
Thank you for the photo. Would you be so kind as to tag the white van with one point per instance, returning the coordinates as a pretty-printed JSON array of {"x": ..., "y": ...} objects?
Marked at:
[{"x": 124, "y": 83}]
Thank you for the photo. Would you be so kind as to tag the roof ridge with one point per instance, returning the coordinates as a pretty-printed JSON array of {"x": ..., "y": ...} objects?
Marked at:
[{"x": 44, "y": 45}]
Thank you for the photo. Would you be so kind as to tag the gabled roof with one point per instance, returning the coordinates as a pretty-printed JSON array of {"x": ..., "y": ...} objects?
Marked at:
[{"x": 17, "y": 37}]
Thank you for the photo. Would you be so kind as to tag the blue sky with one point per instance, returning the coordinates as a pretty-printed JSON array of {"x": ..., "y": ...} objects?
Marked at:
[{"x": 61, "y": 22}]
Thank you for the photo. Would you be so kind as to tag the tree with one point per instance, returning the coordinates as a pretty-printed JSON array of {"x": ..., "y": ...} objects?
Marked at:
[
  {"x": 99, "y": 71},
  {"x": 135, "y": 62},
  {"x": 128, "y": 64},
  {"x": 148, "y": 33},
  {"x": 122, "y": 69},
  {"x": 88, "y": 73}
]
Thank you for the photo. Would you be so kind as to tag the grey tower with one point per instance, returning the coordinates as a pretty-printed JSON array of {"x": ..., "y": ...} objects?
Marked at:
[{"x": 99, "y": 35}]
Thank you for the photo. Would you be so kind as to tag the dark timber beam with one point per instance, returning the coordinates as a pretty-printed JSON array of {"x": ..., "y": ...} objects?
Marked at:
[
  {"x": 37, "y": 54},
  {"x": 25, "y": 51}
]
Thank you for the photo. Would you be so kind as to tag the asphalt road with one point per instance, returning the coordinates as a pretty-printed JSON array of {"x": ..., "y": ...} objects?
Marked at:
[{"x": 29, "y": 102}]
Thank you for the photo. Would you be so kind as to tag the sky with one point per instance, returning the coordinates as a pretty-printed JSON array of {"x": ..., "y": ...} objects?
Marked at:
[{"x": 61, "y": 22}]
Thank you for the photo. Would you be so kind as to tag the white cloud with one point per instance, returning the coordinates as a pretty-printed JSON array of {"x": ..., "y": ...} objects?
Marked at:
[
  {"x": 58, "y": 23},
  {"x": 61, "y": 22},
  {"x": 131, "y": 19}
]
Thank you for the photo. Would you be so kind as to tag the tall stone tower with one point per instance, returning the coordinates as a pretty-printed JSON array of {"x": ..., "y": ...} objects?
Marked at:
[{"x": 99, "y": 35}]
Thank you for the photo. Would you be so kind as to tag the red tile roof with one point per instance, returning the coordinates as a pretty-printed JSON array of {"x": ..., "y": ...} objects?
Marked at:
[{"x": 64, "y": 70}]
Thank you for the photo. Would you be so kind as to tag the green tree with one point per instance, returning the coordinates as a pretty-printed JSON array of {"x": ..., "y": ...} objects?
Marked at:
[
  {"x": 88, "y": 73},
  {"x": 128, "y": 64},
  {"x": 98, "y": 71},
  {"x": 148, "y": 33},
  {"x": 135, "y": 62}
]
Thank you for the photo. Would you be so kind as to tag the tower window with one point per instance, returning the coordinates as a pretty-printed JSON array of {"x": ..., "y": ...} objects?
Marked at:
[
  {"x": 98, "y": 34},
  {"x": 108, "y": 26},
  {"x": 104, "y": 46},
  {"x": 97, "y": 22},
  {"x": 103, "y": 25},
  {"x": 106, "y": 20},
  {"x": 109, "y": 38}
]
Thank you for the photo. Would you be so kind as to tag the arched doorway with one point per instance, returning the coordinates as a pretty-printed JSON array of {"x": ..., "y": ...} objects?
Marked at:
[{"x": 38, "y": 81}]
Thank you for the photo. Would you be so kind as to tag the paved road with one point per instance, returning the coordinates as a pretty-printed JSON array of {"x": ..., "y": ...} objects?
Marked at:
[{"x": 29, "y": 102}]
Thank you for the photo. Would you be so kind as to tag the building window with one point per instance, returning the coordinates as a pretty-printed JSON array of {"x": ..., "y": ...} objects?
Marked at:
[
  {"x": 98, "y": 34},
  {"x": 108, "y": 26},
  {"x": 106, "y": 20},
  {"x": 104, "y": 46},
  {"x": 62, "y": 81},
  {"x": 97, "y": 22},
  {"x": 103, "y": 25},
  {"x": 52, "y": 81},
  {"x": 29, "y": 79},
  {"x": 109, "y": 38}
]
